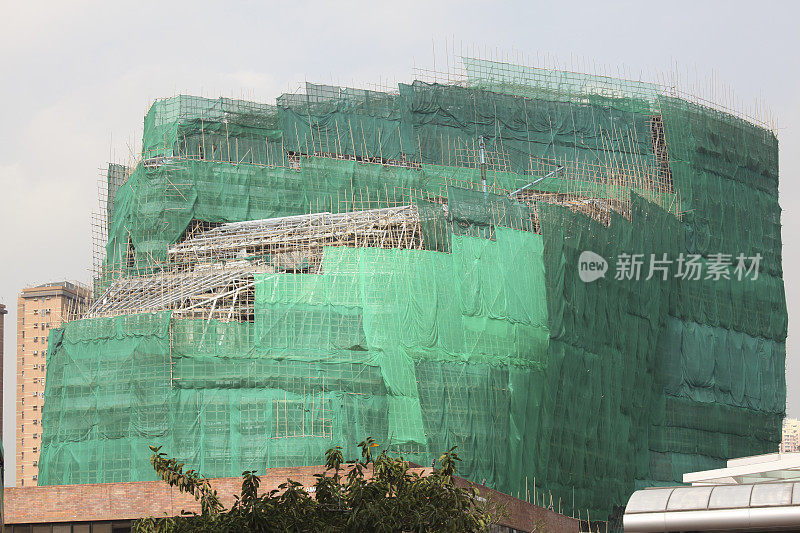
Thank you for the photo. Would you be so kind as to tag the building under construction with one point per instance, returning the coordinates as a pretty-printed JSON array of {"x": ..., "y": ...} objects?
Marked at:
[{"x": 276, "y": 280}]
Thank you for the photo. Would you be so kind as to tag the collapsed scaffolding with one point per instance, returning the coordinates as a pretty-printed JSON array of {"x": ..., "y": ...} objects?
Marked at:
[{"x": 209, "y": 273}]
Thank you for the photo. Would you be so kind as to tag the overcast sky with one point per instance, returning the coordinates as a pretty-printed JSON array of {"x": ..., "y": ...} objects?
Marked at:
[{"x": 77, "y": 77}]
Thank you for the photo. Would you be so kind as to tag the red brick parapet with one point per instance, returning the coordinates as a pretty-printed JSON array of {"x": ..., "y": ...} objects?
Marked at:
[{"x": 125, "y": 501}]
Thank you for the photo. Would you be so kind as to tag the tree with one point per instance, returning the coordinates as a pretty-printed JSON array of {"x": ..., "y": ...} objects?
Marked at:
[{"x": 392, "y": 499}]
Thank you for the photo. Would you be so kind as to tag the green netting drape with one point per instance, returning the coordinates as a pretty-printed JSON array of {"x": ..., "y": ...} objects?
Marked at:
[
  {"x": 419, "y": 349},
  {"x": 488, "y": 339}
]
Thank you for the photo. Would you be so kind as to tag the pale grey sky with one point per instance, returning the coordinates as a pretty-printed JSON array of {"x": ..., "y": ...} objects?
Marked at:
[{"x": 77, "y": 77}]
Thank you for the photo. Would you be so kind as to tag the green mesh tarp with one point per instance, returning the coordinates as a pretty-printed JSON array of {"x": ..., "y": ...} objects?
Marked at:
[
  {"x": 520, "y": 128},
  {"x": 487, "y": 340},
  {"x": 329, "y": 358},
  {"x": 562, "y": 86},
  {"x": 353, "y": 122},
  {"x": 221, "y": 129},
  {"x": 469, "y": 212},
  {"x": 721, "y": 360},
  {"x": 157, "y": 203},
  {"x": 113, "y": 378},
  {"x": 425, "y": 123}
]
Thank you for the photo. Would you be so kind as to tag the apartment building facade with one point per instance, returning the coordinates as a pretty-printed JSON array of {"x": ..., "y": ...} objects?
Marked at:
[{"x": 39, "y": 309}]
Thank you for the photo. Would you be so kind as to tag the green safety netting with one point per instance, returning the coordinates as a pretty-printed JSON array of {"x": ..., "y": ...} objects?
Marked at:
[
  {"x": 562, "y": 86},
  {"x": 157, "y": 203},
  {"x": 376, "y": 345},
  {"x": 222, "y": 129},
  {"x": 487, "y": 339},
  {"x": 354, "y": 122},
  {"x": 429, "y": 123},
  {"x": 646, "y": 376}
]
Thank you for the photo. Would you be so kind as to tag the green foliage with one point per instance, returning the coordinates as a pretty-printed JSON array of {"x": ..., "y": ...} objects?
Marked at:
[{"x": 346, "y": 498}]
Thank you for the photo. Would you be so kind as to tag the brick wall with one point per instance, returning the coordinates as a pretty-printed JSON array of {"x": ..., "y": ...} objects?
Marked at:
[{"x": 124, "y": 501}]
